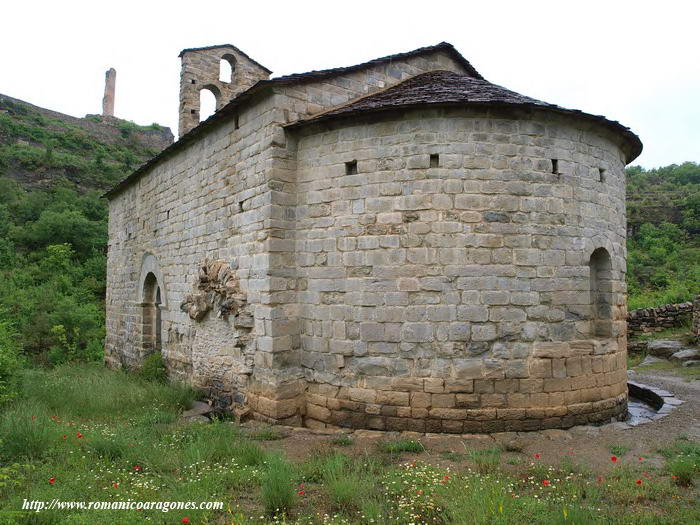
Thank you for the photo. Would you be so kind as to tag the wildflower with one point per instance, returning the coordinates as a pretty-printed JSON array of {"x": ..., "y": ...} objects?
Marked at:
[
  {"x": 641, "y": 459},
  {"x": 446, "y": 477},
  {"x": 79, "y": 435},
  {"x": 545, "y": 482},
  {"x": 613, "y": 459},
  {"x": 52, "y": 480},
  {"x": 137, "y": 468},
  {"x": 600, "y": 479},
  {"x": 33, "y": 418},
  {"x": 185, "y": 520},
  {"x": 537, "y": 456},
  {"x": 674, "y": 477},
  {"x": 115, "y": 485},
  {"x": 638, "y": 482},
  {"x": 65, "y": 436},
  {"x": 419, "y": 492},
  {"x": 301, "y": 492}
]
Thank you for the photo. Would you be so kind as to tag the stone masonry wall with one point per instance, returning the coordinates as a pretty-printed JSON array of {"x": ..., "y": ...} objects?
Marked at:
[
  {"x": 696, "y": 317},
  {"x": 648, "y": 320},
  {"x": 457, "y": 298},
  {"x": 230, "y": 198},
  {"x": 200, "y": 69}
]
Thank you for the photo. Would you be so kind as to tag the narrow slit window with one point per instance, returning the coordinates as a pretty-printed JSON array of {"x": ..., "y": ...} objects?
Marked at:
[
  {"x": 194, "y": 81},
  {"x": 434, "y": 160},
  {"x": 555, "y": 166},
  {"x": 351, "y": 167},
  {"x": 601, "y": 174},
  {"x": 235, "y": 122}
]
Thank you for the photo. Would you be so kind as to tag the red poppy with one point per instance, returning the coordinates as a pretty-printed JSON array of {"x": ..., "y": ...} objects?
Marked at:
[
  {"x": 65, "y": 436},
  {"x": 638, "y": 482},
  {"x": 419, "y": 492},
  {"x": 79, "y": 435},
  {"x": 613, "y": 459},
  {"x": 641, "y": 459},
  {"x": 185, "y": 520},
  {"x": 137, "y": 468},
  {"x": 537, "y": 456},
  {"x": 545, "y": 482},
  {"x": 301, "y": 492},
  {"x": 33, "y": 418},
  {"x": 52, "y": 480},
  {"x": 600, "y": 479},
  {"x": 301, "y": 485},
  {"x": 54, "y": 418},
  {"x": 115, "y": 485},
  {"x": 674, "y": 477},
  {"x": 446, "y": 477}
]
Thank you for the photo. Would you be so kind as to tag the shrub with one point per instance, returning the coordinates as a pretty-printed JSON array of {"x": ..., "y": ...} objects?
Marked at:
[{"x": 153, "y": 368}]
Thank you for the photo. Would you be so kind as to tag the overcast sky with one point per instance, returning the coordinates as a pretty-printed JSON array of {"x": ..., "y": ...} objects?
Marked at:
[{"x": 636, "y": 62}]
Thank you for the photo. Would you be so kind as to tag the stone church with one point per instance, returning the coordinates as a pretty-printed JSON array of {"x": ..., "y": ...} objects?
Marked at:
[{"x": 394, "y": 245}]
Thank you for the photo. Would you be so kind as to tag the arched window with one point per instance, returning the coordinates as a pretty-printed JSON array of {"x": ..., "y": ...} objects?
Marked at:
[
  {"x": 208, "y": 101},
  {"x": 227, "y": 66},
  {"x": 600, "y": 266},
  {"x": 151, "y": 330}
]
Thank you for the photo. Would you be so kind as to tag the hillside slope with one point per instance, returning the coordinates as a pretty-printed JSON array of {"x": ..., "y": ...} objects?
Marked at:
[
  {"x": 40, "y": 147},
  {"x": 53, "y": 225},
  {"x": 663, "y": 228}
]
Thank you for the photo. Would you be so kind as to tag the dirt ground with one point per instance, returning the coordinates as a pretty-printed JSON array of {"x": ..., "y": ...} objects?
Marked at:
[{"x": 589, "y": 446}]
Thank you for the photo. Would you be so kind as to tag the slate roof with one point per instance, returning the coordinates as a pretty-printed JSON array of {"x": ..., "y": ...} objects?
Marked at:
[
  {"x": 324, "y": 73},
  {"x": 448, "y": 88}
]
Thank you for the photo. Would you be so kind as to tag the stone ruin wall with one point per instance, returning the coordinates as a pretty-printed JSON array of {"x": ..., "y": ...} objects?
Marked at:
[
  {"x": 696, "y": 318},
  {"x": 649, "y": 320},
  {"x": 456, "y": 299}
]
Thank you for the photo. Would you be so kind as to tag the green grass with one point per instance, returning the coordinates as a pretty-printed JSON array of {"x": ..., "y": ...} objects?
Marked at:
[
  {"x": 618, "y": 449},
  {"x": 134, "y": 450},
  {"x": 486, "y": 460},
  {"x": 689, "y": 373},
  {"x": 401, "y": 445},
  {"x": 342, "y": 441}
]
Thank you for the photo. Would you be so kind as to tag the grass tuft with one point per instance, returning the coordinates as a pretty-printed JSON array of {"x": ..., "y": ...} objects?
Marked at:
[{"x": 402, "y": 445}]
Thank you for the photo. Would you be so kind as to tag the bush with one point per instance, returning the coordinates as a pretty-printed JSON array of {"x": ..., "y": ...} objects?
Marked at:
[{"x": 153, "y": 368}]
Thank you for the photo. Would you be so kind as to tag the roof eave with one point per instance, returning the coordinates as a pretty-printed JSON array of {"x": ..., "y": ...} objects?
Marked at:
[{"x": 633, "y": 141}]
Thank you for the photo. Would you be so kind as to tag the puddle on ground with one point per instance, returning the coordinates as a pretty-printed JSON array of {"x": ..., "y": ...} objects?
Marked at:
[{"x": 639, "y": 412}]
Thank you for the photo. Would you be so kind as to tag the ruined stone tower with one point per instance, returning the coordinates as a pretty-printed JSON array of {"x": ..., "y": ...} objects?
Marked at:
[
  {"x": 395, "y": 245},
  {"x": 201, "y": 70},
  {"x": 108, "y": 99}
]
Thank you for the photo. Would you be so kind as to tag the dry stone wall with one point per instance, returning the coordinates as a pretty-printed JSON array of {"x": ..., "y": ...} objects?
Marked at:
[{"x": 649, "y": 320}]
